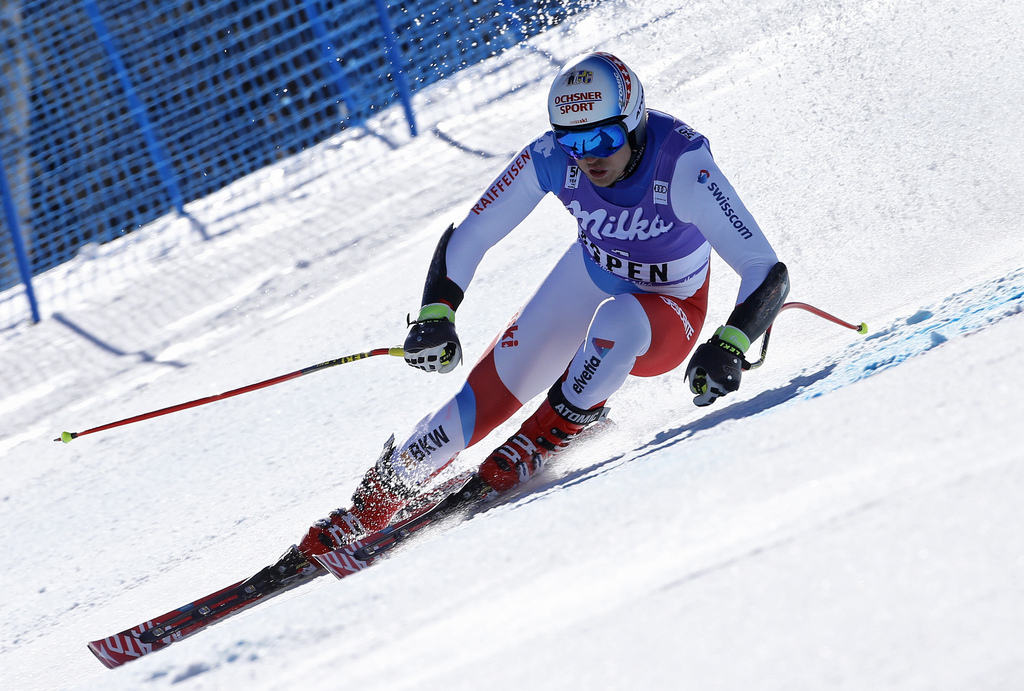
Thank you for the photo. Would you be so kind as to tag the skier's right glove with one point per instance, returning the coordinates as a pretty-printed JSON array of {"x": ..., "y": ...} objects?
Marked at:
[
  {"x": 432, "y": 344},
  {"x": 717, "y": 366}
]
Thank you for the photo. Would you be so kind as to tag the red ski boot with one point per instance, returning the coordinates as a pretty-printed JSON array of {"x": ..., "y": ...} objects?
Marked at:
[
  {"x": 546, "y": 432},
  {"x": 377, "y": 499},
  {"x": 339, "y": 528}
]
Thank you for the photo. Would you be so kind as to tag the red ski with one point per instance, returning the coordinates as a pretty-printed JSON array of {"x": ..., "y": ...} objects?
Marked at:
[
  {"x": 290, "y": 571},
  {"x": 181, "y": 623}
]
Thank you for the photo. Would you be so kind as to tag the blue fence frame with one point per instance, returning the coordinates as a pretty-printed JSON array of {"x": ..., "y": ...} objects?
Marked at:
[{"x": 116, "y": 112}]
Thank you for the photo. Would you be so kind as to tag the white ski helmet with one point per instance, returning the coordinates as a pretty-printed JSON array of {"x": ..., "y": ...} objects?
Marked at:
[{"x": 594, "y": 90}]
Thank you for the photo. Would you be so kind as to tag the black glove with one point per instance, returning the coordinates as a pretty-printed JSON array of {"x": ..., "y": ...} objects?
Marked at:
[
  {"x": 717, "y": 366},
  {"x": 432, "y": 344}
]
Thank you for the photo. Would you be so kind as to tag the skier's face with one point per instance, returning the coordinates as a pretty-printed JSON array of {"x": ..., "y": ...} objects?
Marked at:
[{"x": 604, "y": 172}]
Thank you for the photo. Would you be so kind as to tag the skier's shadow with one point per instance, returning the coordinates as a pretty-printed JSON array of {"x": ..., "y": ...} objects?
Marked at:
[
  {"x": 671, "y": 437},
  {"x": 763, "y": 401}
]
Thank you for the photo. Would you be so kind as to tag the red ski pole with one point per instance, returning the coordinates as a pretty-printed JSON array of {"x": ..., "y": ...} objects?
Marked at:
[
  {"x": 66, "y": 437},
  {"x": 861, "y": 328}
]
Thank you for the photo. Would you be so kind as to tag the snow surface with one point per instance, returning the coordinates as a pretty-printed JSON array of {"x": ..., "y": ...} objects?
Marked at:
[{"x": 849, "y": 520}]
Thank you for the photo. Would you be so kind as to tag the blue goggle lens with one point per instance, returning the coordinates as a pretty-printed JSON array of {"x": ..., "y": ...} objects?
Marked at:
[{"x": 598, "y": 142}]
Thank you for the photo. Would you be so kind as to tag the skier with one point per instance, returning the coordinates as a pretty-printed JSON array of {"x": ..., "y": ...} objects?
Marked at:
[{"x": 628, "y": 297}]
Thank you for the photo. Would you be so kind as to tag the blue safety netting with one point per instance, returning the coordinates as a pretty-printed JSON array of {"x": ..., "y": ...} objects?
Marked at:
[{"x": 116, "y": 112}]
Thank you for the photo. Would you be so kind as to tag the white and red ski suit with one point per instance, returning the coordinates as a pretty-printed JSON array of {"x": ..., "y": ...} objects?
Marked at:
[{"x": 629, "y": 296}]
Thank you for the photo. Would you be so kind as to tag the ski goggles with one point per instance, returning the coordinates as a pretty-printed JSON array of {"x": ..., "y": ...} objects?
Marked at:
[{"x": 598, "y": 142}]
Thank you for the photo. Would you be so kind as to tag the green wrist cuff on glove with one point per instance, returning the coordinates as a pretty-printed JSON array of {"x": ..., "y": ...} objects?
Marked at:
[
  {"x": 734, "y": 337},
  {"x": 436, "y": 310}
]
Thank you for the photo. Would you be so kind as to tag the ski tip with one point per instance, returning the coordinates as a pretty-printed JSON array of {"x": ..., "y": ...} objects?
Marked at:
[{"x": 109, "y": 658}]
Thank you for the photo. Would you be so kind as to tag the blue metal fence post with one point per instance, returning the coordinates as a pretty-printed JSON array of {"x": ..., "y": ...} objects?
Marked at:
[
  {"x": 329, "y": 55},
  {"x": 24, "y": 267},
  {"x": 395, "y": 58},
  {"x": 156, "y": 150}
]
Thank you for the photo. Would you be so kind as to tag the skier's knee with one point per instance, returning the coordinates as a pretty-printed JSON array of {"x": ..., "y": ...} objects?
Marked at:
[{"x": 622, "y": 320}]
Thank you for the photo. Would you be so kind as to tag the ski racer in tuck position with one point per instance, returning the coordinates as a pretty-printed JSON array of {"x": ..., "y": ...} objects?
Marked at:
[{"x": 628, "y": 297}]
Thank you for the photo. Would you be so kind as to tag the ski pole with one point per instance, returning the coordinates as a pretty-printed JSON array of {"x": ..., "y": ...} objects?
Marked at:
[
  {"x": 66, "y": 437},
  {"x": 861, "y": 328}
]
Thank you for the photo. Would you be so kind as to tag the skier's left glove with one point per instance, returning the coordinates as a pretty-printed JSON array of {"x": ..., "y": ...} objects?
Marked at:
[
  {"x": 432, "y": 344},
  {"x": 717, "y": 366}
]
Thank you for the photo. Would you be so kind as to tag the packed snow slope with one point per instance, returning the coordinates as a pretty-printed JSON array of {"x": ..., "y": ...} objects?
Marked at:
[{"x": 849, "y": 520}]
